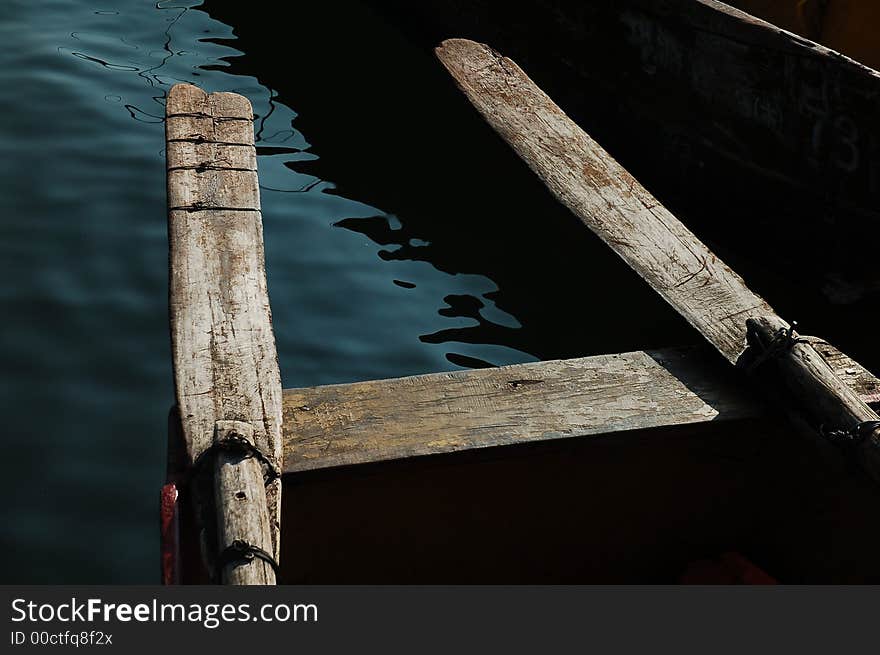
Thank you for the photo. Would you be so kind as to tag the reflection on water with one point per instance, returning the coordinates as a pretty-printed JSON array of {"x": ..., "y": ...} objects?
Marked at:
[
  {"x": 86, "y": 381},
  {"x": 392, "y": 131},
  {"x": 389, "y": 253}
]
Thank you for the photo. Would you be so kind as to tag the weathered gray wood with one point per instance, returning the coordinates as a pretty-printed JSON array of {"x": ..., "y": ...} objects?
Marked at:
[
  {"x": 602, "y": 194},
  {"x": 854, "y": 375},
  {"x": 817, "y": 392},
  {"x": 191, "y": 189},
  {"x": 240, "y": 503},
  {"x": 223, "y": 347},
  {"x": 384, "y": 420},
  {"x": 208, "y": 156}
]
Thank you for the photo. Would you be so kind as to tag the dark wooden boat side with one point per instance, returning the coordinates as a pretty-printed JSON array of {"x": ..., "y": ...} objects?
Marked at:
[
  {"x": 728, "y": 119},
  {"x": 635, "y": 508},
  {"x": 480, "y": 477}
]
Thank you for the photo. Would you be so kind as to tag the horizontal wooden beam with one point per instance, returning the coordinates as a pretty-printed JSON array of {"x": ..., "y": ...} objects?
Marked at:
[{"x": 363, "y": 422}]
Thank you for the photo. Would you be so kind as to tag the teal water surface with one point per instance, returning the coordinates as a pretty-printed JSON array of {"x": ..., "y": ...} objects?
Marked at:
[{"x": 86, "y": 378}]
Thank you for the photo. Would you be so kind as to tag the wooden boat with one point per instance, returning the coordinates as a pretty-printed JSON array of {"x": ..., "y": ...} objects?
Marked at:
[
  {"x": 631, "y": 467},
  {"x": 627, "y": 467}
]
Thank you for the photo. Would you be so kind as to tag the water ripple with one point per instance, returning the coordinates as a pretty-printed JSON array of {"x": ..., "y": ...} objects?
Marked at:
[{"x": 83, "y": 234}]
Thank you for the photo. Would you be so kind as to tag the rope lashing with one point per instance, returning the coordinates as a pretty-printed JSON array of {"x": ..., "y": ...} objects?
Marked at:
[
  {"x": 851, "y": 437},
  {"x": 241, "y": 551},
  {"x": 238, "y": 444},
  {"x": 783, "y": 340}
]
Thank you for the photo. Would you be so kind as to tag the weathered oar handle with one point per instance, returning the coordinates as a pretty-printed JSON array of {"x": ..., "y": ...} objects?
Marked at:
[
  {"x": 830, "y": 407},
  {"x": 227, "y": 381},
  {"x": 243, "y": 523}
]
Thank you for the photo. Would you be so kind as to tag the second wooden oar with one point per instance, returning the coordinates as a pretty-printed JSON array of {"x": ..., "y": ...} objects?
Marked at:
[{"x": 702, "y": 288}]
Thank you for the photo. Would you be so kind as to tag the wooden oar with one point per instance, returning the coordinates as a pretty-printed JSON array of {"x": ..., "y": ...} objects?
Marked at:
[
  {"x": 702, "y": 288},
  {"x": 227, "y": 381}
]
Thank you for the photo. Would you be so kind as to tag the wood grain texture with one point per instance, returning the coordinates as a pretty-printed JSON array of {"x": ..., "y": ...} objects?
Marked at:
[
  {"x": 602, "y": 194},
  {"x": 223, "y": 347},
  {"x": 856, "y": 376},
  {"x": 208, "y": 156},
  {"x": 385, "y": 420}
]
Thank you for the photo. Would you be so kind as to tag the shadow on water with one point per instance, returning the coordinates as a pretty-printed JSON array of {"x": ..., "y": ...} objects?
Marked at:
[
  {"x": 803, "y": 238},
  {"x": 401, "y": 238},
  {"x": 473, "y": 206},
  {"x": 393, "y": 131}
]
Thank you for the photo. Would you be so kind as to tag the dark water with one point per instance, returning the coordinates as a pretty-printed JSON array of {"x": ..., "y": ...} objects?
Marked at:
[
  {"x": 392, "y": 249},
  {"x": 401, "y": 237},
  {"x": 86, "y": 380}
]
